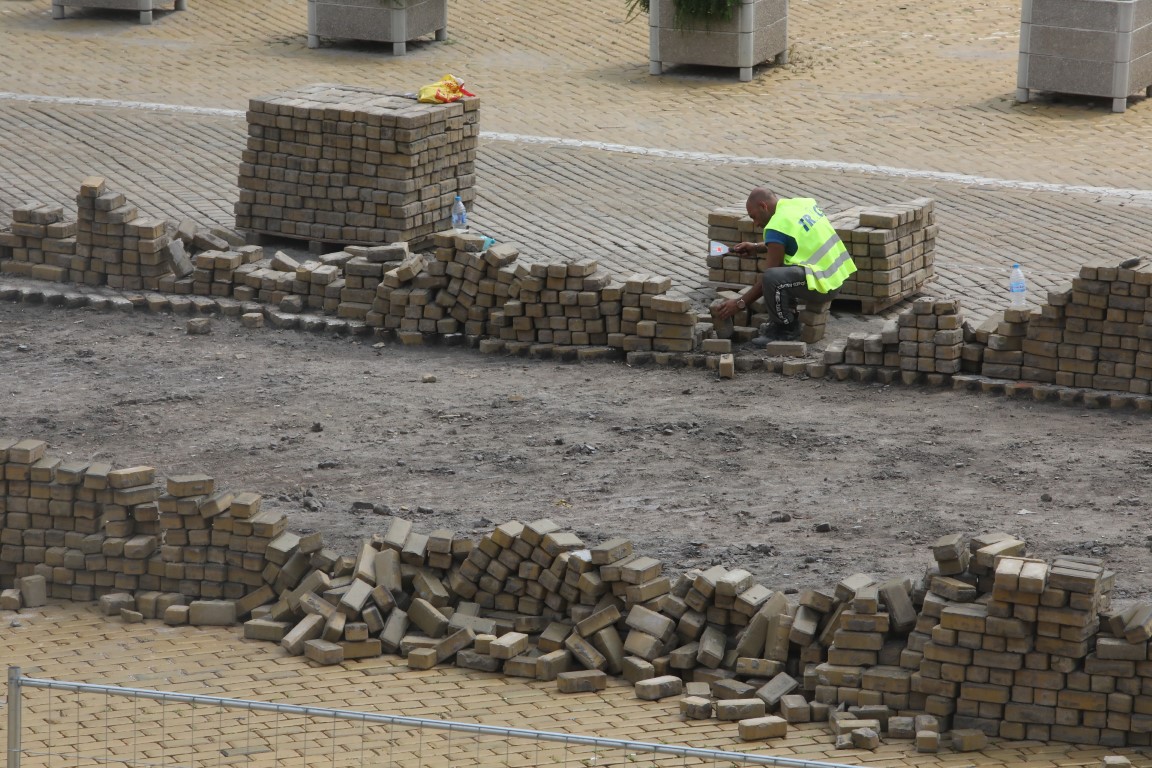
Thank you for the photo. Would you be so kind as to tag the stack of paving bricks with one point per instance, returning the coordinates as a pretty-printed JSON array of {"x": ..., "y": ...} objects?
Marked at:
[
  {"x": 931, "y": 337},
  {"x": 363, "y": 274},
  {"x": 988, "y": 641},
  {"x": 893, "y": 247},
  {"x": 731, "y": 226},
  {"x": 344, "y": 164},
  {"x": 1003, "y": 335},
  {"x": 925, "y": 343},
  {"x": 215, "y": 271},
  {"x": 214, "y": 542},
  {"x": 267, "y": 280},
  {"x": 40, "y": 244},
  {"x": 114, "y": 244}
]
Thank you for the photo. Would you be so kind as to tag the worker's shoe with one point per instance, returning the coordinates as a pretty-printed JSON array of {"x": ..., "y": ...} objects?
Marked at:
[{"x": 770, "y": 332}]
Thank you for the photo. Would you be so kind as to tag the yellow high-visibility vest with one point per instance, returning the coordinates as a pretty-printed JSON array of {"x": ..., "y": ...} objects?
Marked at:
[{"x": 827, "y": 263}]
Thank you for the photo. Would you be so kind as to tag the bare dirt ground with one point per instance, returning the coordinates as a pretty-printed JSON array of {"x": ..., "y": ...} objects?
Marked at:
[{"x": 339, "y": 435}]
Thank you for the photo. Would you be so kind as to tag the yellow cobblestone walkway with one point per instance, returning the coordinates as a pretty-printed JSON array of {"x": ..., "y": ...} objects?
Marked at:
[{"x": 75, "y": 643}]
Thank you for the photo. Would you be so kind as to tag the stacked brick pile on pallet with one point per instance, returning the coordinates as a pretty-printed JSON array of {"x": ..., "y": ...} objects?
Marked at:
[
  {"x": 334, "y": 163},
  {"x": 40, "y": 244},
  {"x": 893, "y": 247}
]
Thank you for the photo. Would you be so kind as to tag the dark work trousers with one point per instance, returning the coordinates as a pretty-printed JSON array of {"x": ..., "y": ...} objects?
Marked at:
[{"x": 783, "y": 286}]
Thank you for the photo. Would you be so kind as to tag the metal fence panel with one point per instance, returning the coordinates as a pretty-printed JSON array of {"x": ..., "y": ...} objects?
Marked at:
[{"x": 87, "y": 725}]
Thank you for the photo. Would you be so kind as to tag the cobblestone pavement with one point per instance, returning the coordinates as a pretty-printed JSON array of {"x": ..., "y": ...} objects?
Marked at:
[
  {"x": 76, "y": 643},
  {"x": 925, "y": 85}
]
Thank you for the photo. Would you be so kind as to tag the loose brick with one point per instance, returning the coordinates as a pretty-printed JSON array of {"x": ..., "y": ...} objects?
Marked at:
[
  {"x": 657, "y": 688},
  {"x": 696, "y": 708},
  {"x": 760, "y": 728},
  {"x": 968, "y": 740},
  {"x": 584, "y": 681},
  {"x": 739, "y": 709},
  {"x": 323, "y": 652},
  {"x": 865, "y": 738},
  {"x": 508, "y": 645}
]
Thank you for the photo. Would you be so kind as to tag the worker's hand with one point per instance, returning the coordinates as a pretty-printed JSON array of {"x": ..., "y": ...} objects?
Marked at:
[
  {"x": 746, "y": 249},
  {"x": 726, "y": 310}
]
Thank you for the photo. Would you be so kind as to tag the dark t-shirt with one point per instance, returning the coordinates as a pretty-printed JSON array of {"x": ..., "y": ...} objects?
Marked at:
[{"x": 775, "y": 236}]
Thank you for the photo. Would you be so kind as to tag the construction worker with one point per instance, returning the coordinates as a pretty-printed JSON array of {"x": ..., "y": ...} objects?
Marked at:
[{"x": 806, "y": 261}]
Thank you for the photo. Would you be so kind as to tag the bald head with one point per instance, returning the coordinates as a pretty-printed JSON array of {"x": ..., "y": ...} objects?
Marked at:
[{"x": 761, "y": 205}]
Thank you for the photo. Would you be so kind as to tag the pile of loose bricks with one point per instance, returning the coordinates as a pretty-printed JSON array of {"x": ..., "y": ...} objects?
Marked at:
[
  {"x": 355, "y": 165},
  {"x": 988, "y": 641},
  {"x": 468, "y": 285}
]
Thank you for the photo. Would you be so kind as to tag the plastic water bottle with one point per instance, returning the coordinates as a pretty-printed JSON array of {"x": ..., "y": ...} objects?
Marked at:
[
  {"x": 1018, "y": 289},
  {"x": 459, "y": 214}
]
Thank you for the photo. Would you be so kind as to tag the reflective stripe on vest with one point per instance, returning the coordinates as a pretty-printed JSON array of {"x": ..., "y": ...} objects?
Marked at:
[{"x": 826, "y": 262}]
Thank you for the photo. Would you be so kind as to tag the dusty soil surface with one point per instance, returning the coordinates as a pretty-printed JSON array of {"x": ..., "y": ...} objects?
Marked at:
[{"x": 339, "y": 435}]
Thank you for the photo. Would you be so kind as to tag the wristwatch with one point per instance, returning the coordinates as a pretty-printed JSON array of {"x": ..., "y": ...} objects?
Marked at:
[{"x": 740, "y": 304}]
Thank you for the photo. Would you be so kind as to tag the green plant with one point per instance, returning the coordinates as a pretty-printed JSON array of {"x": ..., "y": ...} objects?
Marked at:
[{"x": 690, "y": 10}]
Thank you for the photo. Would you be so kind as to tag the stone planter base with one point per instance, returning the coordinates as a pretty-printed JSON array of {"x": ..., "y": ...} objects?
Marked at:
[
  {"x": 757, "y": 32},
  {"x": 144, "y": 7},
  {"x": 385, "y": 21},
  {"x": 1086, "y": 47}
]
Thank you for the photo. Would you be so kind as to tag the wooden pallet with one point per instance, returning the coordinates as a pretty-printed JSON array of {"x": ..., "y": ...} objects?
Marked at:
[
  {"x": 870, "y": 305},
  {"x": 316, "y": 247}
]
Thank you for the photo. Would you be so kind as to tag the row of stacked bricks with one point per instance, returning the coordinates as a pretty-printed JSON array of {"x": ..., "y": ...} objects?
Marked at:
[
  {"x": 1095, "y": 333},
  {"x": 926, "y": 342},
  {"x": 214, "y": 542},
  {"x": 90, "y": 529},
  {"x": 40, "y": 243},
  {"x": 355, "y": 165},
  {"x": 451, "y": 290},
  {"x": 893, "y": 247},
  {"x": 87, "y": 529}
]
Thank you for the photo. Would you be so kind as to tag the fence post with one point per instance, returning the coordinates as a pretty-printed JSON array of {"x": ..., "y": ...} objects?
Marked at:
[{"x": 14, "y": 707}]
